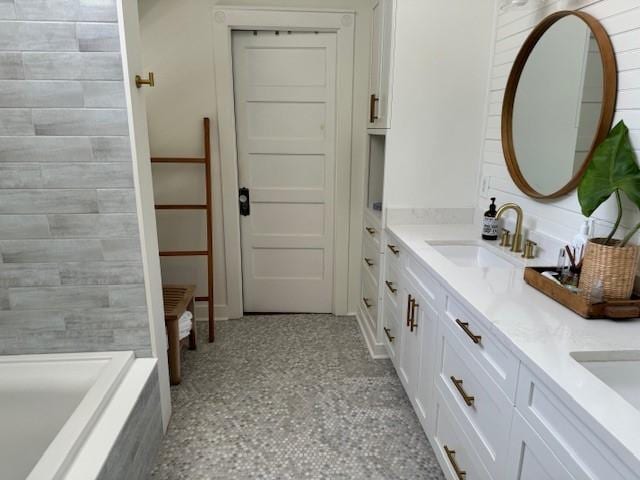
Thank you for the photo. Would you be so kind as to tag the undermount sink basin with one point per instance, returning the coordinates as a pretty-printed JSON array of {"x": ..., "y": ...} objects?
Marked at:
[
  {"x": 472, "y": 254},
  {"x": 621, "y": 375}
]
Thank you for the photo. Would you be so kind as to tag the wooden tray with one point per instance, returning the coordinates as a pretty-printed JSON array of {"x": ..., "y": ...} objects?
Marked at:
[{"x": 614, "y": 309}]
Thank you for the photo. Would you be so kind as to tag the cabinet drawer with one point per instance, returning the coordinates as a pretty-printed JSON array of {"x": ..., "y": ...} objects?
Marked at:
[
  {"x": 392, "y": 285},
  {"x": 392, "y": 329},
  {"x": 483, "y": 410},
  {"x": 394, "y": 253},
  {"x": 371, "y": 258},
  {"x": 493, "y": 356},
  {"x": 583, "y": 454},
  {"x": 457, "y": 458},
  {"x": 369, "y": 299},
  {"x": 372, "y": 233}
]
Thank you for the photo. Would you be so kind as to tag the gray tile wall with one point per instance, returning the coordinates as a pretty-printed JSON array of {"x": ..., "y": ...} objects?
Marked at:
[{"x": 70, "y": 263}]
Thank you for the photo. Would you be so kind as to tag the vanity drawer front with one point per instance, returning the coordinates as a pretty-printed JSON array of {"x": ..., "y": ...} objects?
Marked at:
[
  {"x": 483, "y": 410},
  {"x": 583, "y": 454},
  {"x": 392, "y": 330},
  {"x": 423, "y": 279},
  {"x": 455, "y": 453},
  {"x": 392, "y": 284},
  {"x": 369, "y": 298},
  {"x": 371, "y": 258},
  {"x": 393, "y": 251},
  {"x": 372, "y": 233},
  {"x": 492, "y": 355}
]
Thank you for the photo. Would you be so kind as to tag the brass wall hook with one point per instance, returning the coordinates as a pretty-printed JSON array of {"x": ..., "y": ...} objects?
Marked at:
[{"x": 141, "y": 81}]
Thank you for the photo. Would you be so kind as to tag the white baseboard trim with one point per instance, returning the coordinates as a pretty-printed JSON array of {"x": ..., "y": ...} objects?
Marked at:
[
  {"x": 377, "y": 350},
  {"x": 202, "y": 312}
]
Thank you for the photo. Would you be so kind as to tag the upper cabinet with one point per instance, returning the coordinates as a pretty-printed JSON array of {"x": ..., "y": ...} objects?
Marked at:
[{"x": 380, "y": 71}]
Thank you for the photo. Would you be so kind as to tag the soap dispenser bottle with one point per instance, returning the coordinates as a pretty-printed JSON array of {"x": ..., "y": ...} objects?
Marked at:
[{"x": 490, "y": 222}]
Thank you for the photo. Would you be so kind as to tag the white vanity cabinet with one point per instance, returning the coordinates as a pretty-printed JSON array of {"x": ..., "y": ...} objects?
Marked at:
[
  {"x": 485, "y": 412},
  {"x": 370, "y": 305},
  {"x": 380, "y": 65}
]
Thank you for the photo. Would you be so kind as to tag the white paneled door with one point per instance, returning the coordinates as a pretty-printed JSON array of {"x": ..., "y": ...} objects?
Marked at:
[{"x": 285, "y": 101}]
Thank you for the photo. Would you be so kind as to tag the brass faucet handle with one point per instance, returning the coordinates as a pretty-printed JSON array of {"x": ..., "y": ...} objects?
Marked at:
[
  {"x": 505, "y": 238},
  {"x": 529, "y": 249}
]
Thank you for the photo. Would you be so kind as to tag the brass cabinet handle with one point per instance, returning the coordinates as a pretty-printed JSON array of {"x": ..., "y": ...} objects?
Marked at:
[
  {"x": 368, "y": 261},
  {"x": 451, "y": 455},
  {"x": 366, "y": 302},
  {"x": 387, "y": 331},
  {"x": 390, "y": 286},
  {"x": 465, "y": 327},
  {"x": 414, "y": 324},
  {"x": 141, "y": 81},
  {"x": 468, "y": 399},
  {"x": 372, "y": 231},
  {"x": 393, "y": 249},
  {"x": 372, "y": 108}
]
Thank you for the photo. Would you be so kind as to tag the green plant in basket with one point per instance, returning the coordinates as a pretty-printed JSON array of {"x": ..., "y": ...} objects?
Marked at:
[{"x": 613, "y": 170}]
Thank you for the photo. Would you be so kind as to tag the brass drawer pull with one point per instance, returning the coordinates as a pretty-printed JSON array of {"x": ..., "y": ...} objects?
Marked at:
[
  {"x": 372, "y": 231},
  {"x": 389, "y": 336},
  {"x": 372, "y": 108},
  {"x": 368, "y": 261},
  {"x": 390, "y": 286},
  {"x": 468, "y": 399},
  {"x": 465, "y": 327},
  {"x": 451, "y": 455},
  {"x": 410, "y": 301},
  {"x": 414, "y": 324},
  {"x": 366, "y": 302},
  {"x": 393, "y": 249}
]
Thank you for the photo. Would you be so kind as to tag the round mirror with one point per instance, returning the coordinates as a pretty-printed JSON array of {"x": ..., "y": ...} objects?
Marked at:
[{"x": 559, "y": 103}]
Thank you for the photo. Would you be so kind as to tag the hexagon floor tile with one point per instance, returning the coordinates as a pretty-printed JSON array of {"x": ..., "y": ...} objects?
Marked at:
[{"x": 291, "y": 397}]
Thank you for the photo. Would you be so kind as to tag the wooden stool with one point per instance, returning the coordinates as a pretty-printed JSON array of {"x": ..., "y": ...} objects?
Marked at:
[{"x": 177, "y": 300}]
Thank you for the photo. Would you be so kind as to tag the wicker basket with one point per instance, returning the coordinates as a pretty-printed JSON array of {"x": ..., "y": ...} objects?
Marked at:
[{"x": 615, "y": 266}]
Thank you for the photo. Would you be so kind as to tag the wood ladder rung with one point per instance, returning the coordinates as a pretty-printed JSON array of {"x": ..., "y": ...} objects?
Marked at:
[
  {"x": 178, "y": 160},
  {"x": 181, "y": 207},
  {"x": 184, "y": 253}
]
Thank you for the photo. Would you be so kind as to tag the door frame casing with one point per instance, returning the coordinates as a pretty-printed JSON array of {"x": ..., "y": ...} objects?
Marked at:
[{"x": 340, "y": 22}]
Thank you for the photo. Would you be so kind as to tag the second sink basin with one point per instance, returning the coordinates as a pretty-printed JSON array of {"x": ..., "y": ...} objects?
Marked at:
[
  {"x": 472, "y": 254},
  {"x": 620, "y": 374}
]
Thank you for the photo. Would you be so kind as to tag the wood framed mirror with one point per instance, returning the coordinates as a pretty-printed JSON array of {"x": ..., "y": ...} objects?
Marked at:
[{"x": 559, "y": 103}]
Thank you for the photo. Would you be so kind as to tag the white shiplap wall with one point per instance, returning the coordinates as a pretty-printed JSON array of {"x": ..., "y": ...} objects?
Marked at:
[{"x": 560, "y": 218}]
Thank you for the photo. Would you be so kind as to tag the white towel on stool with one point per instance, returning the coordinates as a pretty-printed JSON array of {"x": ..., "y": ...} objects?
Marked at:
[{"x": 184, "y": 324}]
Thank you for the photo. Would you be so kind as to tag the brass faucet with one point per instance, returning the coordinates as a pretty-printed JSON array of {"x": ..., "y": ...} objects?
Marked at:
[{"x": 517, "y": 236}]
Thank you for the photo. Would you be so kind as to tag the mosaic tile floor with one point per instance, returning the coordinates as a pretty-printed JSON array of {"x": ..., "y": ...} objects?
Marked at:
[{"x": 291, "y": 397}]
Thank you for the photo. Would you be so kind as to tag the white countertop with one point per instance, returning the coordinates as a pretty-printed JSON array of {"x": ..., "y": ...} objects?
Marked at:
[{"x": 541, "y": 332}]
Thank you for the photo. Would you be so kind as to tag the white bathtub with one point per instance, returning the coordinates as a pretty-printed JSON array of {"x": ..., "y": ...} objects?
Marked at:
[{"x": 48, "y": 407}]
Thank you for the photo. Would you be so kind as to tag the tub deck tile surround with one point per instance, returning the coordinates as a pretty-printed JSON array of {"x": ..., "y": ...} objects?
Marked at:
[
  {"x": 71, "y": 276},
  {"x": 291, "y": 397},
  {"x": 135, "y": 450}
]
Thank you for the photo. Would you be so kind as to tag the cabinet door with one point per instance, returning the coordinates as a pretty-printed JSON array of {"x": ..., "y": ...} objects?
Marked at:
[
  {"x": 380, "y": 71},
  {"x": 529, "y": 457},
  {"x": 376, "y": 47},
  {"x": 409, "y": 356},
  {"x": 428, "y": 324}
]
